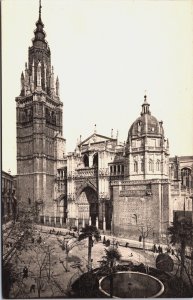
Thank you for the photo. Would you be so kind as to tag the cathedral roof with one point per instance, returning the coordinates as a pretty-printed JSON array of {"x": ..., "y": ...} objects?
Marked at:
[
  {"x": 96, "y": 138},
  {"x": 146, "y": 124}
]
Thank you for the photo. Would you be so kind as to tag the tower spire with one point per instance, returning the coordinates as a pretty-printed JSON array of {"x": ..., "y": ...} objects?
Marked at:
[
  {"x": 39, "y": 32},
  {"x": 40, "y": 8}
]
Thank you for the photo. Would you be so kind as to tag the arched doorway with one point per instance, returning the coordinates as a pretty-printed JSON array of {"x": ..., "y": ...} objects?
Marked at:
[{"x": 88, "y": 207}]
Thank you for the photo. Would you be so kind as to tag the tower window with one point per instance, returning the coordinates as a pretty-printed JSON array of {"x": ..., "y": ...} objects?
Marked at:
[
  {"x": 142, "y": 165},
  {"x": 158, "y": 165},
  {"x": 135, "y": 166},
  {"x": 95, "y": 160},
  {"x": 151, "y": 165},
  {"x": 86, "y": 160},
  {"x": 186, "y": 177}
]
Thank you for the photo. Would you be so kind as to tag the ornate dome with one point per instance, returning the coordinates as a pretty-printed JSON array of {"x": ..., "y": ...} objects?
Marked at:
[{"x": 146, "y": 124}]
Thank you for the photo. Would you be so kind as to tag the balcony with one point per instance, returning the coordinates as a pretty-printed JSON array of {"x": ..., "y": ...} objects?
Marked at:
[{"x": 86, "y": 172}]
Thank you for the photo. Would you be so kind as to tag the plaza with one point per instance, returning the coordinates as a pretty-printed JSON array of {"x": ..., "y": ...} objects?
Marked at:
[{"x": 55, "y": 279}]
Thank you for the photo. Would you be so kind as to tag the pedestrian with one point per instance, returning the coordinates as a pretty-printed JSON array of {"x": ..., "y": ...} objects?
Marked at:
[
  {"x": 172, "y": 251},
  {"x": 117, "y": 244},
  {"x": 154, "y": 248},
  {"x": 33, "y": 288},
  {"x": 159, "y": 249},
  {"x": 39, "y": 239},
  {"x": 107, "y": 243},
  {"x": 25, "y": 272},
  {"x": 126, "y": 245},
  {"x": 104, "y": 240}
]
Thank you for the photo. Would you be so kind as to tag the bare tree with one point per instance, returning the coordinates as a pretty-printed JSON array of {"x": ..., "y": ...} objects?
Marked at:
[
  {"x": 67, "y": 244},
  {"x": 41, "y": 259},
  {"x": 144, "y": 233}
]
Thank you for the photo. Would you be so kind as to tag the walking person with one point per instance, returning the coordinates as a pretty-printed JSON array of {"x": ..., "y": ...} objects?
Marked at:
[{"x": 25, "y": 272}]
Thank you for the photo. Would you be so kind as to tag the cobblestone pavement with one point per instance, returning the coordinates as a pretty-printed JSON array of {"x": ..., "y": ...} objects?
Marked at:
[{"x": 60, "y": 280}]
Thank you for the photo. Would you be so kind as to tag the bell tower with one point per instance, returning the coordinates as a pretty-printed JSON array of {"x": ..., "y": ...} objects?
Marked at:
[{"x": 40, "y": 142}]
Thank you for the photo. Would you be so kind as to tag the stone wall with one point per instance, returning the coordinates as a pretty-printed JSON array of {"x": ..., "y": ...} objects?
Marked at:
[{"x": 138, "y": 205}]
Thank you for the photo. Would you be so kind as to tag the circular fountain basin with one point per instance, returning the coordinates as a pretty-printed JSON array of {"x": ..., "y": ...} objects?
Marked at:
[{"x": 132, "y": 285}]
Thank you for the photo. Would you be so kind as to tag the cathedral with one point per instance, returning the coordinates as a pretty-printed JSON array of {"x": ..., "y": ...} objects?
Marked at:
[{"x": 118, "y": 187}]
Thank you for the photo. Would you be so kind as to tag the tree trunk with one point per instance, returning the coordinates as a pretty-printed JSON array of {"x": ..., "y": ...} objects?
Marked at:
[
  {"x": 66, "y": 260},
  {"x": 89, "y": 253},
  {"x": 143, "y": 242},
  {"x": 111, "y": 280},
  {"x": 183, "y": 247}
]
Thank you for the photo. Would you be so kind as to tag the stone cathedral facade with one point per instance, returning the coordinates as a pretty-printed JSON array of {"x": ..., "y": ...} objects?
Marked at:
[{"x": 118, "y": 187}]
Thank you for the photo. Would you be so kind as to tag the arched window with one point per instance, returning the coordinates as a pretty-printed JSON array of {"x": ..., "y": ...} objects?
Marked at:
[
  {"x": 86, "y": 160},
  {"x": 151, "y": 165},
  {"x": 134, "y": 219},
  {"x": 142, "y": 165},
  {"x": 135, "y": 166},
  {"x": 158, "y": 165},
  {"x": 186, "y": 177},
  {"x": 95, "y": 160}
]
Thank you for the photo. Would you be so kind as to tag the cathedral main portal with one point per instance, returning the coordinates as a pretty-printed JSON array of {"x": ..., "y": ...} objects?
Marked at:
[{"x": 88, "y": 207}]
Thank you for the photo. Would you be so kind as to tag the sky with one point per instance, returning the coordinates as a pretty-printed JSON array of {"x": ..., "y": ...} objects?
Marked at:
[{"x": 106, "y": 53}]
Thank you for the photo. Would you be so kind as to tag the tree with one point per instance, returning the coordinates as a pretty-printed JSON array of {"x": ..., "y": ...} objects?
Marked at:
[
  {"x": 67, "y": 244},
  {"x": 41, "y": 258},
  {"x": 181, "y": 234},
  {"x": 112, "y": 255},
  {"x": 89, "y": 232},
  {"x": 144, "y": 233},
  {"x": 15, "y": 239}
]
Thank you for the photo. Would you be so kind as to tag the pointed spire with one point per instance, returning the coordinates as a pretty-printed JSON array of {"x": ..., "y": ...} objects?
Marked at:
[
  {"x": 57, "y": 87},
  {"x": 52, "y": 86},
  {"x": 40, "y": 8},
  {"x": 112, "y": 133},
  {"x": 22, "y": 76},
  {"x": 33, "y": 71},
  {"x": 95, "y": 131},
  {"x": 45, "y": 77},
  {"x": 22, "y": 84},
  {"x": 39, "y": 32},
  {"x": 117, "y": 137}
]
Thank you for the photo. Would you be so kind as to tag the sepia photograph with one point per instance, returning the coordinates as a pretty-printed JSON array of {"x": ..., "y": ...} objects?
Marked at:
[{"x": 97, "y": 149}]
